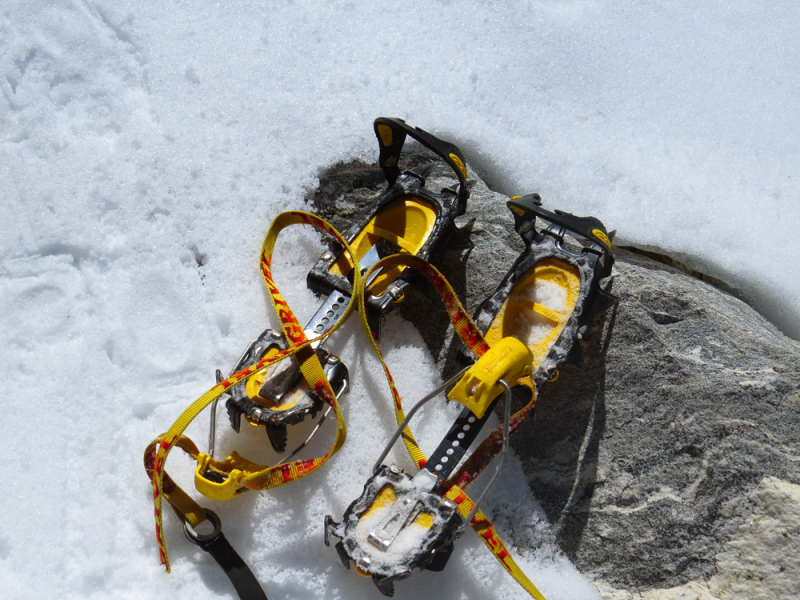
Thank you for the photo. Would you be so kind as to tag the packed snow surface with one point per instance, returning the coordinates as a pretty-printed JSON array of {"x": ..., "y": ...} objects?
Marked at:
[
  {"x": 534, "y": 327},
  {"x": 146, "y": 146}
]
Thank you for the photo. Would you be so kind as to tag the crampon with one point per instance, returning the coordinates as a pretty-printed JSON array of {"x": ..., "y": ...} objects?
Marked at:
[{"x": 521, "y": 333}]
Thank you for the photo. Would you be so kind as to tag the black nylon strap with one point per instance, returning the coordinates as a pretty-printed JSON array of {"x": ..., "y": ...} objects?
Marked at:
[{"x": 235, "y": 568}]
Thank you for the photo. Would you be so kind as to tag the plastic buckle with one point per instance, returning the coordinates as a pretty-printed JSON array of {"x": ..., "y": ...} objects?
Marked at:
[
  {"x": 224, "y": 490},
  {"x": 507, "y": 360}
]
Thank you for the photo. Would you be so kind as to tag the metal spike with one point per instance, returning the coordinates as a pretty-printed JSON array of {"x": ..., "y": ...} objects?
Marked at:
[
  {"x": 277, "y": 437},
  {"x": 423, "y": 171},
  {"x": 235, "y": 416},
  {"x": 457, "y": 241},
  {"x": 212, "y": 429}
]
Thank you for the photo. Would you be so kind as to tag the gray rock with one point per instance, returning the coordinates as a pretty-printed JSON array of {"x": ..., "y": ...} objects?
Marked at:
[{"x": 645, "y": 459}]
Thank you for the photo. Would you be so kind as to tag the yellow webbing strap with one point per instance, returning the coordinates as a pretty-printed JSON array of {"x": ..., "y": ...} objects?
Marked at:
[
  {"x": 464, "y": 326},
  {"x": 485, "y": 530},
  {"x": 252, "y": 476},
  {"x": 183, "y": 505},
  {"x": 490, "y": 446}
]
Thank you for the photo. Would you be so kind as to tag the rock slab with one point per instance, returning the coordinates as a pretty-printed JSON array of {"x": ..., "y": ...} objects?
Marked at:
[{"x": 646, "y": 460}]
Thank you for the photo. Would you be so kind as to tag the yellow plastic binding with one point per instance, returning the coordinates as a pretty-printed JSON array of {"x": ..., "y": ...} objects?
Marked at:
[
  {"x": 386, "y": 134},
  {"x": 211, "y": 489},
  {"x": 406, "y": 222},
  {"x": 525, "y": 314},
  {"x": 601, "y": 236},
  {"x": 509, "y": 359}
]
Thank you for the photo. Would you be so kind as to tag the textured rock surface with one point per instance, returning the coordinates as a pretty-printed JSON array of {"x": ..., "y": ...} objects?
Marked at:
[
  {"x": 760, "y": 561},
  {"x": 648, "y": 459}
]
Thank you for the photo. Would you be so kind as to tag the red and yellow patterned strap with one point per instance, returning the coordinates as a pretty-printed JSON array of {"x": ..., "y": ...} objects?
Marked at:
[
  {"x": 248, "y": 474},
  {"x": 485, "y": 530},
  {"x": 490, "y": 446}
]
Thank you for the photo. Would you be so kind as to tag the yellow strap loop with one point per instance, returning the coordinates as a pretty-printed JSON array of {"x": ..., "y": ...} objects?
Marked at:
[{"x": 253, "y": 476}]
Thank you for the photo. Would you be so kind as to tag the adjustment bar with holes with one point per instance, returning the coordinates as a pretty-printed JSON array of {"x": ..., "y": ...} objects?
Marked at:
[
  {"x": 456, "y": 443},
  {"x": 412, "y": 412}
]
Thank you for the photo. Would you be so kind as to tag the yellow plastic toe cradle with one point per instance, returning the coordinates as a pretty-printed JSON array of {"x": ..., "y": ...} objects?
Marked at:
[
  {"x": 538, "y": 307},
  {"x": 406, "y": 222}
]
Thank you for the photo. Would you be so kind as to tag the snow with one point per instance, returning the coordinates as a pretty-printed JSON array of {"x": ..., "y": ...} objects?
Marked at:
[{"x": 146, "y": 146}]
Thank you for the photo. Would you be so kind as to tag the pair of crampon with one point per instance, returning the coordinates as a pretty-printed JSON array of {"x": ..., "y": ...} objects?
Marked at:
[{"x": 520, "y": 334}]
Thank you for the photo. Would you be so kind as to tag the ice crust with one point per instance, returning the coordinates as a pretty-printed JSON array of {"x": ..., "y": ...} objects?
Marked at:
[{"x": 146, "y": 146}]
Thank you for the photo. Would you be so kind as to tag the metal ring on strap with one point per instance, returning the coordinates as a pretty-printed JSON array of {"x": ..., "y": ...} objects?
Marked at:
[{"x": 197, "y": 538}]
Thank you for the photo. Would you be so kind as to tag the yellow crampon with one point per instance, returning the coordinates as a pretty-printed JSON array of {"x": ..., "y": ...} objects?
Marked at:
[
  {"x": 235, "y": 474},
  {"x": 506, "y": 361}
]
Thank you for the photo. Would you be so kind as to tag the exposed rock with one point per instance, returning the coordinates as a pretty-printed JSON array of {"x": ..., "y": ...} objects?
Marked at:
[
  {"x": 690, "y": 591},
  {"x": 666, "y": 463},
  {"x": 762, "y": 560},
  {"x": 759, "y": 562},
  {"x": 645, "y": 460}
]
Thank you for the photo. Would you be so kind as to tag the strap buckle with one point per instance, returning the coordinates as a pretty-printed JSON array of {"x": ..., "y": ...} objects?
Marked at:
[
  {"x": 200, "y": 538},
  {"x": 226, "y": 489}
]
